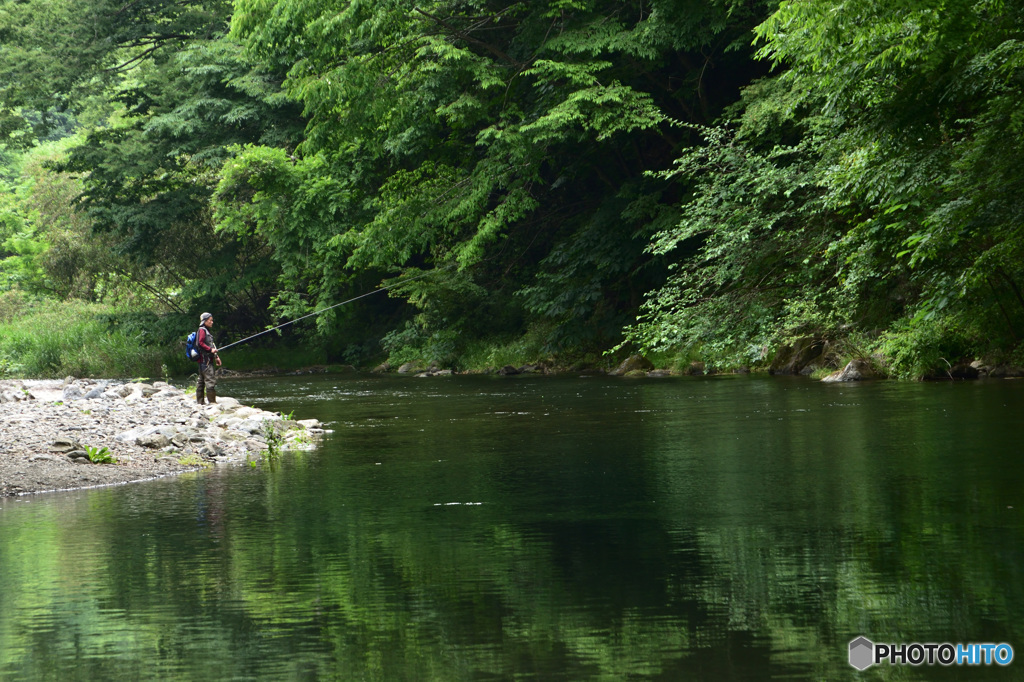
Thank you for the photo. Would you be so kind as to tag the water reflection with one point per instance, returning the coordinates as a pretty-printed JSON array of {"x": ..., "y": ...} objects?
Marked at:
[{"x": 477, "y": 528}]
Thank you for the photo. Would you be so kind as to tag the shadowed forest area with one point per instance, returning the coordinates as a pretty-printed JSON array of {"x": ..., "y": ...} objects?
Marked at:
[{"x": 563, "y": 182}]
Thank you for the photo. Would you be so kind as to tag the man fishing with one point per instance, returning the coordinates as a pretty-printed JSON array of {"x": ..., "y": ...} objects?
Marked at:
[{"x": 207, "y": 381}]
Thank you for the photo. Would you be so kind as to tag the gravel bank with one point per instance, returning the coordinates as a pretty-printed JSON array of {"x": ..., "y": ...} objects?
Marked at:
[{"x": 48, "y": 429}]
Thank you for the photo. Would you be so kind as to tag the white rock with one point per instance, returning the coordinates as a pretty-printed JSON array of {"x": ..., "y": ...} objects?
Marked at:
[
  {"x": 251, "y": 425},
  {"x": 169, "y": 392}
]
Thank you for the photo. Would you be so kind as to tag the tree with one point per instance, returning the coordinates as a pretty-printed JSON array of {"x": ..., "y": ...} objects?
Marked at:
[
  {"x": 890, "y": 135},
  {"x": 505, "y": 141}
]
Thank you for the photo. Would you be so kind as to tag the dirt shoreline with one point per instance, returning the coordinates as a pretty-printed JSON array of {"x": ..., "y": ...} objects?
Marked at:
[{"x": 49, "y": 429}]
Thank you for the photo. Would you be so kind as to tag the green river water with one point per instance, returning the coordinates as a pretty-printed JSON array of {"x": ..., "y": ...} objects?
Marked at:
[{"x": 492, "y": 528}]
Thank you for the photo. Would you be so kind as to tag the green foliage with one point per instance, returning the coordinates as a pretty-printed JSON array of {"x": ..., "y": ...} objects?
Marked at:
[
  {"x": 72, "y": 338},
  {"x": 920, "y": 350},
  {"x": 470, "y": 135},
  {"x": 274, "y": 437},
  {"x": 528, "y": 348},
  {"x": 917, "y": 104},
  {"x": 559, "y": 168},
  {"x": 865, "y": 188},
  {"x": 20, "y": 241},
  {"x": 99, "y": 455},
  {"x": 282, "y": 356},
  {"x": 148, "y": 177},
  {"x": 67, "y": 51},
  {"x": 750, "y": 255}
]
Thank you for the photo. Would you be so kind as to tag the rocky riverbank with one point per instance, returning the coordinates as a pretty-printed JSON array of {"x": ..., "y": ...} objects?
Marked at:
[{"x": 62, "y": 435}]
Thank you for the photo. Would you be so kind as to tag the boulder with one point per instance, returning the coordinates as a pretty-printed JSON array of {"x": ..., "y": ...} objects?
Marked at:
[
  {"x": 793, "y": 358},
  {"x": 251, "y": 425},
  {"x": 154, "y": 440},
  {"x": 139, "y": 433},
  {"x": 1006, "y": 371},
  {"x": 211, "y": 450},
  {"x": 855, "y": 370},
  {"x": 963, "y": 371},
  {"x": 632, "y": 364},
  {"x": 508, "y": 370},
  {"x": 72, "y": 392},
  {"x": 169, "y": 392}
]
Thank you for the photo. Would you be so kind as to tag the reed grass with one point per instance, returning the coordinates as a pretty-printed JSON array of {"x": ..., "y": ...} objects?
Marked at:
[{"x": 54, "y": 339}]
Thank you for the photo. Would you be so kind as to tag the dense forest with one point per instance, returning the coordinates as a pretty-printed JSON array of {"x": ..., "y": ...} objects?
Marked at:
[{"x": 565, "y": 182}]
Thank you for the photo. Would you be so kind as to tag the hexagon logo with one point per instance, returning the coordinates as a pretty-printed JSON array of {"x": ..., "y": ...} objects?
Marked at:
[{"x": 862, "y": 653}]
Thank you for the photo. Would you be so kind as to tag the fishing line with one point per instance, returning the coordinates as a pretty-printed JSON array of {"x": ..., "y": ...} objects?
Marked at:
[{"x": 324, "y": 310}]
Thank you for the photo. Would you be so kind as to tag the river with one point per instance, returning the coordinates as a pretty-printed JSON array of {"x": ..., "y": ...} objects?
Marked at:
[{"x": 543, "y": 528}]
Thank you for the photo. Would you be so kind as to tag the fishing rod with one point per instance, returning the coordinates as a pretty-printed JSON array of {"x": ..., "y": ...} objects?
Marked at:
[{"x": 324, "y": 310}]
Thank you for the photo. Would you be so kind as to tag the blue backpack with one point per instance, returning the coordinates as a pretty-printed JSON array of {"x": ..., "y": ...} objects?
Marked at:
[{"x": 191, "y": 349}]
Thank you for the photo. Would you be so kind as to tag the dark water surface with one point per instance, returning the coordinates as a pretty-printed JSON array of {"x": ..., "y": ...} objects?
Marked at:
[{"x": 479, "y": 528}]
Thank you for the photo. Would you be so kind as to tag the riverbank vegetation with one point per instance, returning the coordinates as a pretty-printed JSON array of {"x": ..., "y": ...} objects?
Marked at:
[{"x": 728, "y": 182}]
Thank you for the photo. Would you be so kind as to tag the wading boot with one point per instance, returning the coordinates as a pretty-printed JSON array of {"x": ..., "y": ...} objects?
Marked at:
[
  {"x": 211, "y": 396},
  {"x": 199, "y": 395}
]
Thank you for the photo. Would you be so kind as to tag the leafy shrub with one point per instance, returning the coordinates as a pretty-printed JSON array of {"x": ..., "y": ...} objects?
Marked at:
[
  {"x": 916, "y": 349},
  {"x": 99, "y": 455}
]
